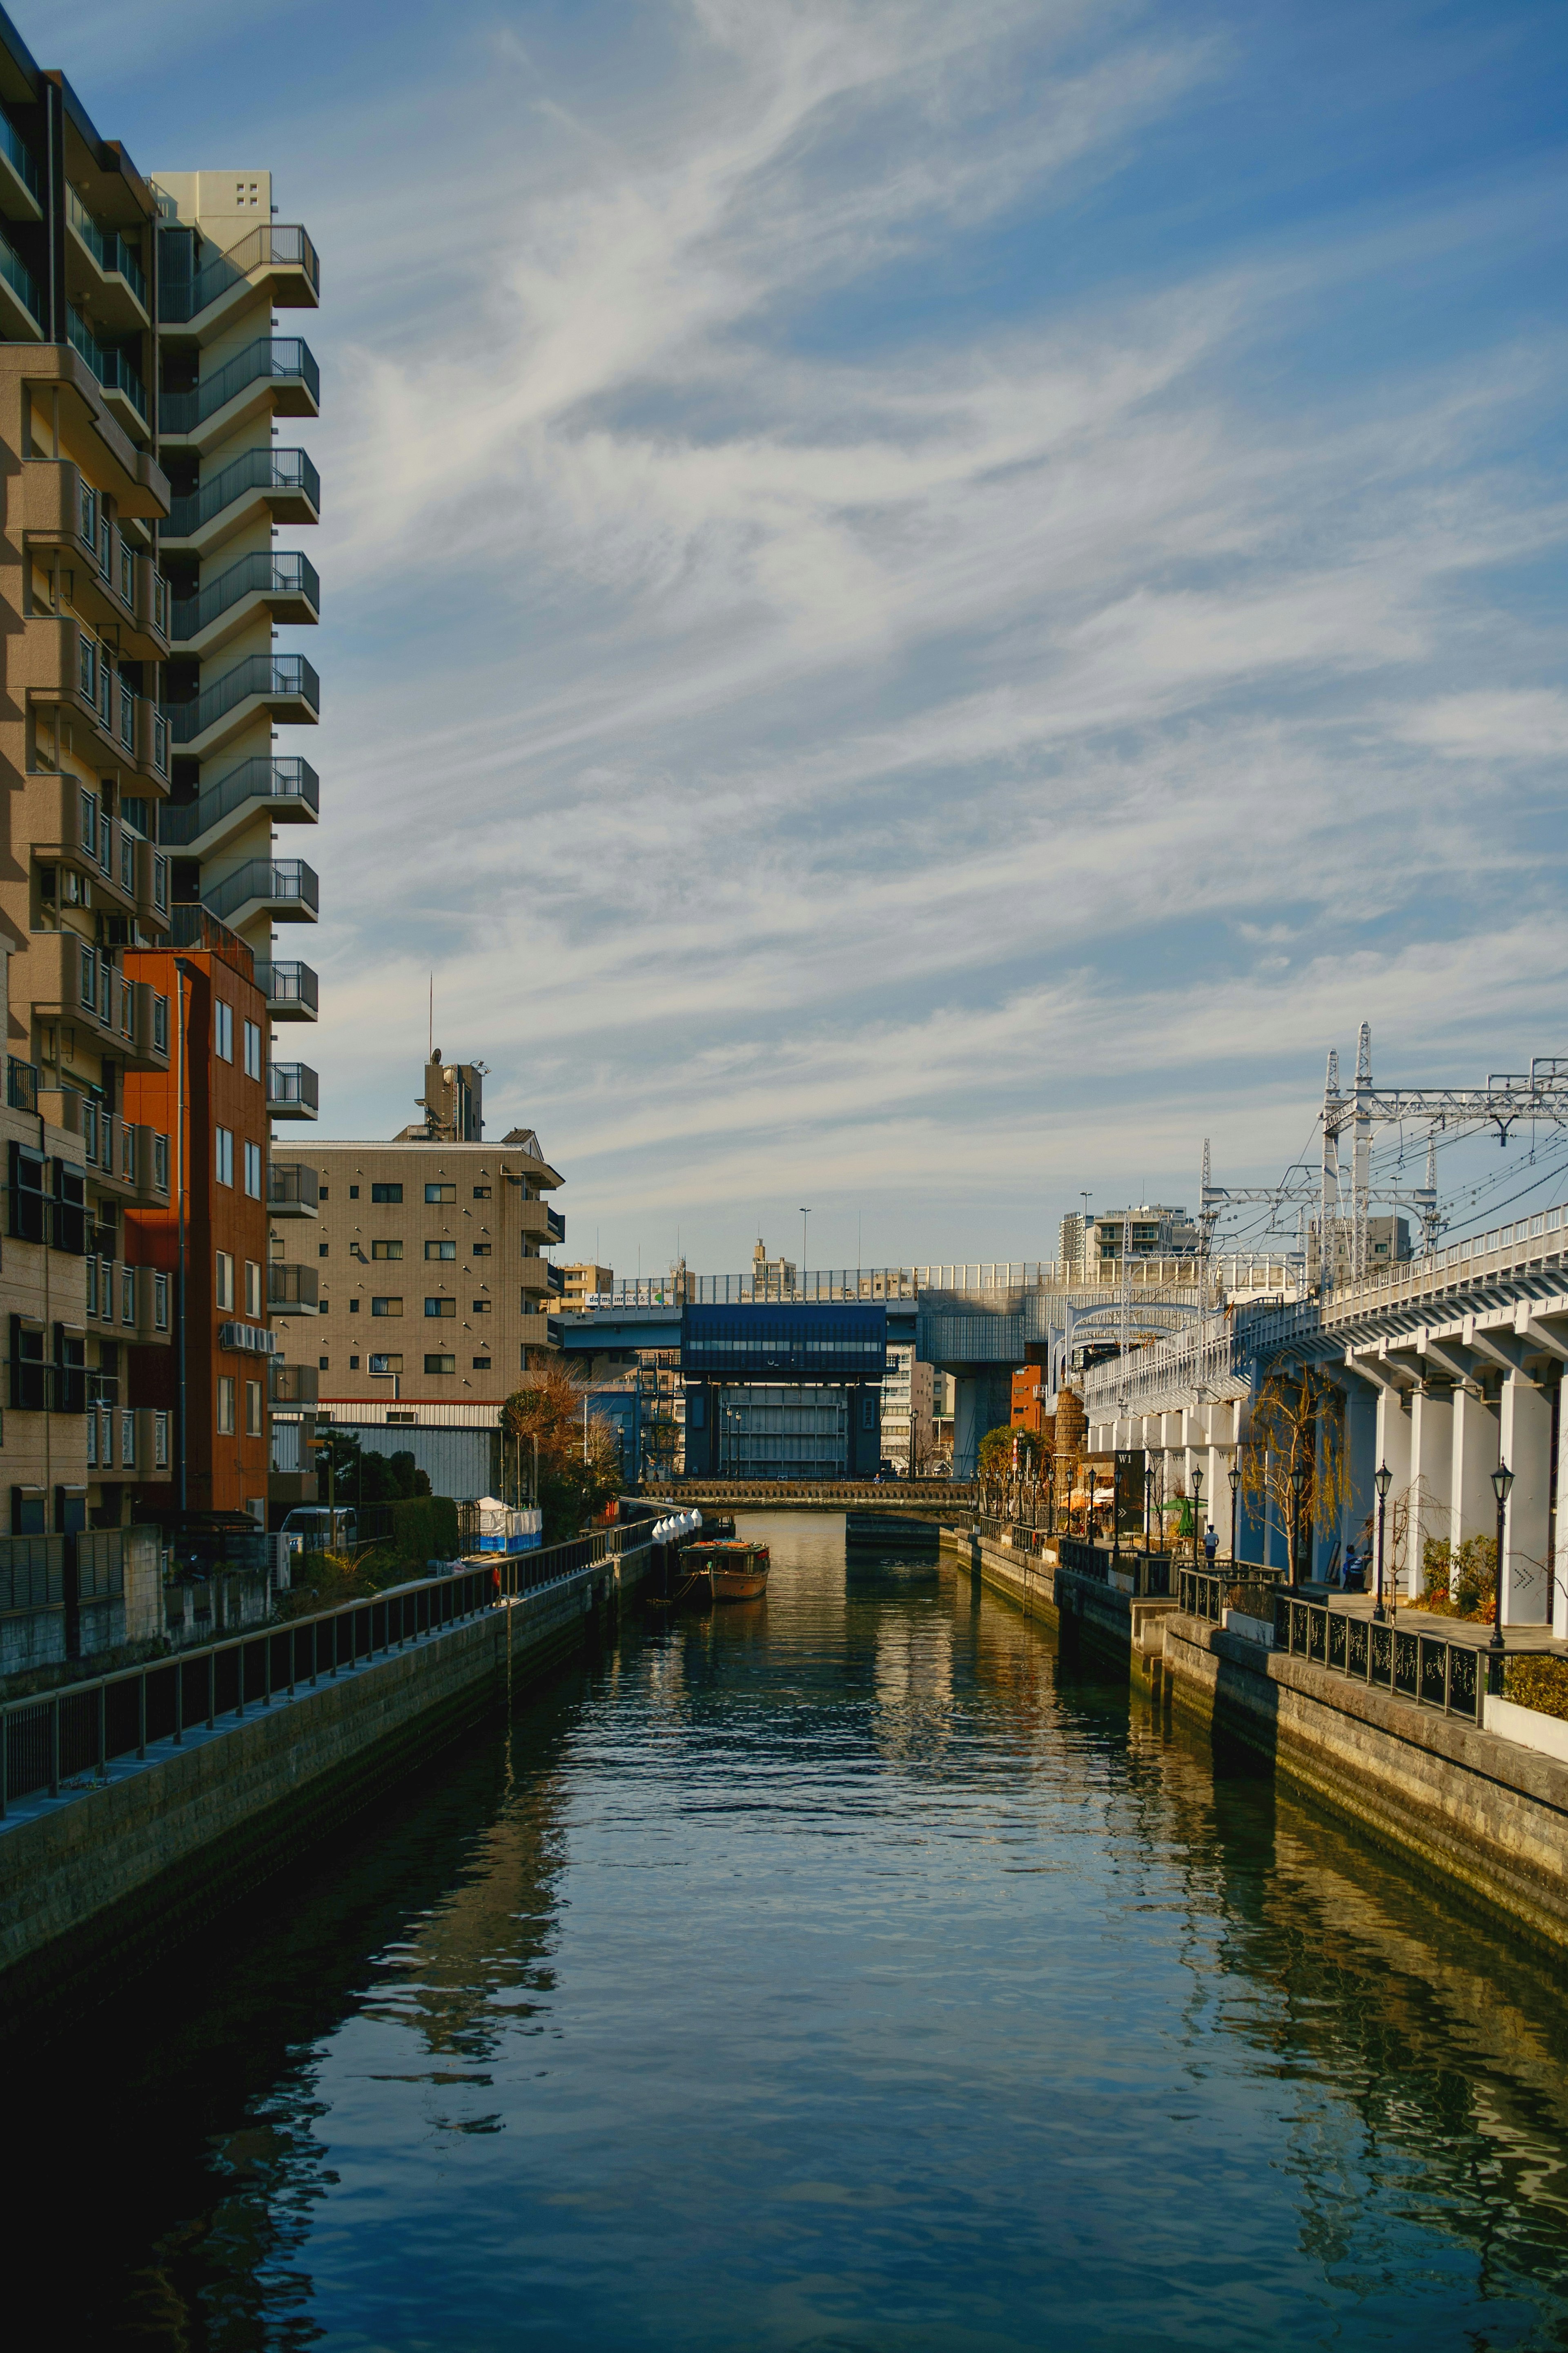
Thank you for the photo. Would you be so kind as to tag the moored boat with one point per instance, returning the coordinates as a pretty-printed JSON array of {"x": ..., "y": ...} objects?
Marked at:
[{"x": 729, "y": 1571}]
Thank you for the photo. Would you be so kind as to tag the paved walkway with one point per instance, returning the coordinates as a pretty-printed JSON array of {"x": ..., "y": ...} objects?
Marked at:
[{"x": 1434, "y": 1622}]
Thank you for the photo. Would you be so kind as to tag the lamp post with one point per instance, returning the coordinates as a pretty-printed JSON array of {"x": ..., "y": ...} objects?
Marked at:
[
  {"x": 1197, "y": 1515},
  {"x": 1298, "y": 1487},
  {"x": 1383, "y": 1479},
  {"x": 1232, "y": 1480},
  {"x": 1502, "y": 1480}
]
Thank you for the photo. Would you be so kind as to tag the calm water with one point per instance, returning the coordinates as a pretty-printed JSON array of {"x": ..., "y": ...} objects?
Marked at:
[{"x": 850, "y": 1970}]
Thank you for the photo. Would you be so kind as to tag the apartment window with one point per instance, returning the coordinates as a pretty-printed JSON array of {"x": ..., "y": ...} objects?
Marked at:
[
  {"x": 353, "y": 1306},
  {"x": 481, "y": 1249},
  {"x": 225, "y": 1405},
  {"x": 440, "y": 1364},
  {"x": 160, "y": 1302},
  {"x": 481, "y": 1364},
  {"x": 225, "y": 1279},
  {"x": 386, "y": 1364},
  {"x": 386, "y": 1249},
  {"x": 222, "y": 1156},
  {"x": 253, "y": 1050},
  {"x": 223, "y": 1031},
  {"x": 481, "y": 1307},
  {"x": 323, "y": 1364},
  {"x": 353, "y": 1192},
  {"x": 252, "y": 1288},
  {"x": 380, "y": 1192},
  {"x": 440, "y": 1249},
  {"x": 436, "y": 1194},
  {"x": 440, "y": 1307},
  {"x": 160, "y": 1441},
  {"x": 127, "y": 1441},
  {"x": 322, "y": 1249},
  {"x": 253, "y": 1409},
  {"x": 481, "y": 1192},
  {"x": 322, "y": 1308},
  {"x": 387, "y": 1306},
  {"x": 89, "y": 978},
  {"x": 253, "y": 1171}
]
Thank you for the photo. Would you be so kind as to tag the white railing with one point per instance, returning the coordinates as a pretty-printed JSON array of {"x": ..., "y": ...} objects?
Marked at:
[{"x": 1505, "y": 1250}]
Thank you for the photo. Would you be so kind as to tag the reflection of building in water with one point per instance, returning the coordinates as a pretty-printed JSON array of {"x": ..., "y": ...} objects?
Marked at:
[{"x": 912, "y": 1680}]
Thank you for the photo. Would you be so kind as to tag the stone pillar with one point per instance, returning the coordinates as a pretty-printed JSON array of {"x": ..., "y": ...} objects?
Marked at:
[
  {"x": 1473, "y": 1505},
  {"x": 1560, "y": 1584},
  {"x": 1393, "y": 1447},
  {"x": 1525, "y": 1436},
  {"x": 1431, "y": 1463}
]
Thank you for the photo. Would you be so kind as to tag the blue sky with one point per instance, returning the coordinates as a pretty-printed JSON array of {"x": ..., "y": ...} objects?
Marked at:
[{"x": 923, "y": 604}]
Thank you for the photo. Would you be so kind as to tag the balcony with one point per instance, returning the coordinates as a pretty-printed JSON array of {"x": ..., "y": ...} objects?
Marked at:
[
  {"x": 297, "y": 1384},
  {"x": 124, "y": 394},
  {"x": 274, "y": 259},
  {"x": 287, "y": 791},
  {"x": 557, "y": 1224},
  {"x": 293, "y": 1090},
  {"x": 534, "y": 1273},
  {"x": 275, "y": 376},
  {"x": 284, "y": 585},
  {"x": 20, "y": 302},
  {"x": 103, "y": 272},
  {"x": 290, "y": 1287},
  {"x": 290, "y": 990},
  {"x": 21, "y": 182},
  {"x": 282, "y": 483},
  {"x": 540, "y": 1223},
  {"x": 21, "y": 1084},
  {"x": 285, "y": 889},
  {"x": 282, "y": 686},
  {"x": 293, "y": 1189}
]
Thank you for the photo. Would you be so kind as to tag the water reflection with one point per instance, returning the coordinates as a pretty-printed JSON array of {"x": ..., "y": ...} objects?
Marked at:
[{"x": 848, "y": 1969}]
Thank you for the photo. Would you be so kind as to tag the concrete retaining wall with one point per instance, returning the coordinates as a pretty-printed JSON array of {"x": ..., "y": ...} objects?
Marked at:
[
  {"x": 103, "y": 1880},
  {"x": 1118, "y": 1625},
  {"x": 1482, "y": 1810}
]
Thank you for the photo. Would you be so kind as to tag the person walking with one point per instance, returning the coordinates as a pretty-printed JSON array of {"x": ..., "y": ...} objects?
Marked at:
[{"x": 1211, "y": 1543}]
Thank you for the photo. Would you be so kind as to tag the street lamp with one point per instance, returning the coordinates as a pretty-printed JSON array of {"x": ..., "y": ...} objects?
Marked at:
[
  {"x": 1233, "y": 1481},
  {"x": 1298, "y": 1487},
  {"x": 1383, "y": 1479},
  {"x": 1502, "y": 1480},
  {"x": 1197, "y": 1513},
  {"x": 1148, "y": 1505}
]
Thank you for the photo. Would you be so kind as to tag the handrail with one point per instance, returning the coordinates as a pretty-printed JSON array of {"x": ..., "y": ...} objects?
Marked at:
[
  {"x": 107, "y": 247},
  {"x": 111, "y": 365},
  {"x": 254, "y": 469},
  {"x": 287, "y": 981},
  {"x": 269, "y": 245},
  {"x": 1429, "y": 1670},
  {"x": 61, "y": 1735},
  {"x": 281, "y": 573},
  {"x": 281, "y": 880},
  {"x": 280, "y": 675},
  {"x": 18, "y": 277},
  {"x": 256, "y": 779},
  {"x": 20, "y": 156},
  {"x": 269, "y": 356}
]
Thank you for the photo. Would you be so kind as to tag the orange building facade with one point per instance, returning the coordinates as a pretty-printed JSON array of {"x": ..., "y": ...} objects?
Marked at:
[
  {"x": 1033, "y": 1406},
  {"x": 213, "y": 1102}
]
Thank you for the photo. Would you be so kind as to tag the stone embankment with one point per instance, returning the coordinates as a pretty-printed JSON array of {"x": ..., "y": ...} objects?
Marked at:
[
  {"x": 112, "y": 1873},
  {"x": 1483, "y": 1811}
]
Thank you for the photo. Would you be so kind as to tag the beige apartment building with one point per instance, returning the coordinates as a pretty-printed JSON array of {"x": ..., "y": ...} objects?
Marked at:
[
  {"x": 420, "y": 1293},
  {"x": 581, "y": 1282}
]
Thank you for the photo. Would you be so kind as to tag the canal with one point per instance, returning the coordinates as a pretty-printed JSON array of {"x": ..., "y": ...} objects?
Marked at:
[{"x": 853, "y": 1969}]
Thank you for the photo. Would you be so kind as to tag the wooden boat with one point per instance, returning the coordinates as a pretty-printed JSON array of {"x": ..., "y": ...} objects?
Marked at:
[{"x": 728, "y": 1570}]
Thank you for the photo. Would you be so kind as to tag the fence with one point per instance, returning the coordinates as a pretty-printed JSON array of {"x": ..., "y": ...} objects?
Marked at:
[
  {"x": 1430, "y": 1670},
  {"x": 61, "y": 1738},
  {"x": 1149, "y": 1572},
  {"x": 1244, "y": 1585}
]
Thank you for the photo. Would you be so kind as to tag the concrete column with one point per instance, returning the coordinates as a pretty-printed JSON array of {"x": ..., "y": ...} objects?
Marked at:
[
  {"x": 1526, "y": 1441},
  {"x": 1472, "y": 1503},
  {"x": 1393, "y": 1447},
  {"x": 1560, "y": 1585},
  {"x": 1431, "y": 1463},
  {"x": 968, "y": 1399},
  {"x": 1361, "y": 1443}
]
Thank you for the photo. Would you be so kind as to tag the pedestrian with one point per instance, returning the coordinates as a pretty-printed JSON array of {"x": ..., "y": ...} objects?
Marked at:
[{"x": 1211, "y": 1544}]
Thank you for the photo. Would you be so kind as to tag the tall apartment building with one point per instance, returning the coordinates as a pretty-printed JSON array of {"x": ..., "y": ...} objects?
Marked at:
[
  {"x": 139, "y": 379},
  {"x": 419, "y": 1294},
  {"x": 583, "y": 1281},
  {"x": 908, "y": 1398}
]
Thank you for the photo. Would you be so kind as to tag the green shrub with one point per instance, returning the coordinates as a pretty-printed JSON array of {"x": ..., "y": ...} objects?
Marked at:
[
  {"x": 1539, "y": 1683},
  {"x": 1461, "y": 1584}
]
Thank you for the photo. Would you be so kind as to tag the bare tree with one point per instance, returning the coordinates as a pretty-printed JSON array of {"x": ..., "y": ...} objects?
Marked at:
[{"x": 1293, "y": 1456}]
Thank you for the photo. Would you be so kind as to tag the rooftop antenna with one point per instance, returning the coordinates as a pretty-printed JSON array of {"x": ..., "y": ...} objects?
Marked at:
[{"x": 430, "y": 1048}]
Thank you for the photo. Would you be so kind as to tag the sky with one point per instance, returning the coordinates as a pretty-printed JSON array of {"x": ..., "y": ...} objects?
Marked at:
[{"x": 922, "y": 603}]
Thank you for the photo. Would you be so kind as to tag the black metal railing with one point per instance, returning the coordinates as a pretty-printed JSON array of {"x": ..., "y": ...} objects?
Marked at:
[
  {"x": 256, "y": 779},
  {"x": 287, "y": 983},
  {"x": 272, "y": 356},
  {"x": 260, "y": 574},
  {"x": 1151, "y": 1573},
  {"x": 257, "y": 469},
  {"x": 271, "y": 246},
  {"x": 291, "y": 1185},
  {"x": 291, "y": 1085},
  {"x": 1430, "y": 1670},
  {"x": 273, "y": 882},
  {"x": 275, "y": 678},
  {"x": 69, "y": 1738},
  {"x": 1244, "y": 1585}
]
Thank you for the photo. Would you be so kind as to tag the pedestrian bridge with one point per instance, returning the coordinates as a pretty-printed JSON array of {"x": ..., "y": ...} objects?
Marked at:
[{"x": 914, "y": 1499}]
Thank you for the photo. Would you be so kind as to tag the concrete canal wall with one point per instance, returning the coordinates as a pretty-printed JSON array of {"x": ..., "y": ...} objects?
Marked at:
[
  {"x": 104, "y": 1880},
  {"x": 1484, "y": 1812}
]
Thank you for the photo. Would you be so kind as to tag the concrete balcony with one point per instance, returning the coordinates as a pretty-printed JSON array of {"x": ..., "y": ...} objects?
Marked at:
[
  {"x": 21, "y": 180},
  {"x": 275, "y": 262},
  {"x": 288, "y": 792},
  {"x": 104, "y": 277},
  {"x": 538, "y": 1223},
  {"x": 534, "y": 1279},
  {"x": 285, "y": 889},
  {"x": 20, "y": 301},
  {"x": 274, "y": 376},
  {"x": 290, "y": 1288},
  {"x": 281, "y": 688},
  {"x": 291, "y": 1385},
  {"x": 293, "y": 1189},
  {"x": 284, "y": 586},
  {"x": 290, "y": 989},
  {"x": 293, "y": 1090},
  {"x": 117, "y": 373},
  {"x": 280, "y": 484}
]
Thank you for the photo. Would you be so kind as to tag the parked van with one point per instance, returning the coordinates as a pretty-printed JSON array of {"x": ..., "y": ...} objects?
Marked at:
[{"x": 323, "y": 1530}]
